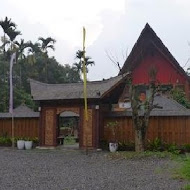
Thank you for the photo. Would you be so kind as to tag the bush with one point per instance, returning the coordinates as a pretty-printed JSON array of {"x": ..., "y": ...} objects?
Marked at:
[
  {"x": 5, "y": 141},
  {"x": 186, "y": 147},
  {"x": 173, "y": 149},
  {"x": 155, "y": 145},
  {"x": 126, "y": 146},
  {"x": 69, "y": 140},
  {"x": 158, "y": 145},
  {"x": 180, "y": 97}
]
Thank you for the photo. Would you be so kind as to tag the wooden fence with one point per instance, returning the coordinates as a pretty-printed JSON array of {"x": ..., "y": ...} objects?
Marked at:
[
  {"x": 23, "y": 127},
  {"x": 169, "y": 129}
]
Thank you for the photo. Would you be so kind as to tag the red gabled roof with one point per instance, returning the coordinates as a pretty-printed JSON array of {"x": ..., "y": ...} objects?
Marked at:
[{"x": 147, "y": 40}]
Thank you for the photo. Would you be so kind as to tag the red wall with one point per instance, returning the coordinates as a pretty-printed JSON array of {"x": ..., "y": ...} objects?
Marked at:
[{"x": 166, "y": 73}]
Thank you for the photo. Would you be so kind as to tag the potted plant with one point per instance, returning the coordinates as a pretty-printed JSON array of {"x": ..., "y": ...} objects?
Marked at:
[
  {"x": 28, "y": 143},
  {"x": 35, "y": 142},
  {"x": 113, "y": 144},
  {"x": 20, "y": 143}
]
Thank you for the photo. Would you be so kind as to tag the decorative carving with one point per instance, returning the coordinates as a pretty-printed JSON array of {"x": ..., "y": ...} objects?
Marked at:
[
  {"x": 49, "y": 127},
  {"x": 73, "y": 109},
  {"x": 87, "y": 129}
]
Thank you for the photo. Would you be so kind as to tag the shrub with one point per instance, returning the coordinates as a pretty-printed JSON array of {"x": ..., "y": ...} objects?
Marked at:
[
  {"x": 186, "y": 147},
  {"x": 180, "y": 97},
  {"x": 5, "y": 141},
  {"x": 126, "y": 146},
  {"x": 155, "y": 145},
  {"x": 69, "y": 140},
  {"x": 158, "y": 145},
  {"x": 173, "y": 149}
]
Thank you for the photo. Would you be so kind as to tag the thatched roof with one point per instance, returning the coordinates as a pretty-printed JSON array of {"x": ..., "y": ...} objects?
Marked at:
[
  {"x": 95, "y": 90},
  {"x": 21, "y": 112},
  {"x": 169, "y": 108}
]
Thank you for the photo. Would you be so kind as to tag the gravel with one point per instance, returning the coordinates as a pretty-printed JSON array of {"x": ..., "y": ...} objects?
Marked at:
[{"x": 73, "y": 170}]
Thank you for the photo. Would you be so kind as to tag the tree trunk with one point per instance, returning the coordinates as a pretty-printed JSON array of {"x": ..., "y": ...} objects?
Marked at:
[{"x": 139, "y": 141}]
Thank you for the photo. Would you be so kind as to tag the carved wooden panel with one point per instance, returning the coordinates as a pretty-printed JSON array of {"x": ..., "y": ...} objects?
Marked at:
[
  {"x": 73, "y": 109},
  {"x": 49, "y": 120},
  {"x": 87, "y": 129}
]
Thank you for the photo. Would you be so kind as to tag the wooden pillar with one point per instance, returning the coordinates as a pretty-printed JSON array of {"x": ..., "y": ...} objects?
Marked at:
[
  {"x": 48, "y": 127},
  {"x": 97, "y": 127},
  {"x": 87, "y": 131}
]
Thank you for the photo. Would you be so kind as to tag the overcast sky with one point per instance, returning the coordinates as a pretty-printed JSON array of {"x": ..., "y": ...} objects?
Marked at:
[{"x": 112, "y": 26}]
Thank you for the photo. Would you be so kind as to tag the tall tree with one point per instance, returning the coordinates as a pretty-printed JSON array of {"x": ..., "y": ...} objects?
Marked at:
[
  {"x": 34, "y": 49},
  {"x": 46, "y": 43},
  {"x": 21, "y": 46},
  {"x": 6, "y": 25},
  {"x": 141, "y": 110},
  {"x": 79, "y": 65},
  {"x": 12, "y": 34}
]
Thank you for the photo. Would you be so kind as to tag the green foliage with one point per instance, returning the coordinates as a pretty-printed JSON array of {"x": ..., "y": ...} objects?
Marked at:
[
  {"x": 186, "y": 147},
  {"x": 34, "y": 139},
  {"x": 179, "y": 96},
  {"x": 21, "y": 96},
  {"x": 173, "y": 149},
  {"x": 122, "y": 146},
  {"x": 155, "y": 145},
  {"x": 5, "y": 141},
  {"x": 19, "y": 138},
  {"x": 184, "y": 170},
  {"x": 126, "y": 146},
  {"x": 158, "y": 145},
  {"x": 69, "y": 140},
  {"x": 33, "y": 62},
  {"x": 186, "y": 187},
  {"x": 79, "y": 65}
]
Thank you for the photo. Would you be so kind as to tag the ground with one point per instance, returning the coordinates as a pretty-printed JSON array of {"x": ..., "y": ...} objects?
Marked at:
[{"x": 73, "y": 170}]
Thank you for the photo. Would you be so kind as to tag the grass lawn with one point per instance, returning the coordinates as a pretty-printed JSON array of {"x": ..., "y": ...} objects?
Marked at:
[
  {"x": 186, "y": 187},
  {"x": 183, "y": 172}
]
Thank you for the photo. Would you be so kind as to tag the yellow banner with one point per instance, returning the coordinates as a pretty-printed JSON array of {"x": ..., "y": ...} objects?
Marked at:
[{"x": 84, "y": 76}]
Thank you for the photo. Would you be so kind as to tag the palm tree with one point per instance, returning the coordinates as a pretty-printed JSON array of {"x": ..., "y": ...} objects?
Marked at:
[
  {"x": 46, "y": 43},
  {"x": 6, "y": 25},
  {"x": 21, "y": 46},
  {"x": 34, "y": 49},
  {"x": 79, "y": 65},
  {"x": 12, "y": 33}
]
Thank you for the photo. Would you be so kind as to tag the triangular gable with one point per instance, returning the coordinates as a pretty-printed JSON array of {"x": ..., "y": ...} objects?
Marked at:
[{"x": 149, "y": 40}]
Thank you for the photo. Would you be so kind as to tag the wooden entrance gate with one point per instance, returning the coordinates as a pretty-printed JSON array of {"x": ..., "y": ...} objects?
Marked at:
[{"x": 48, "y": 128}]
